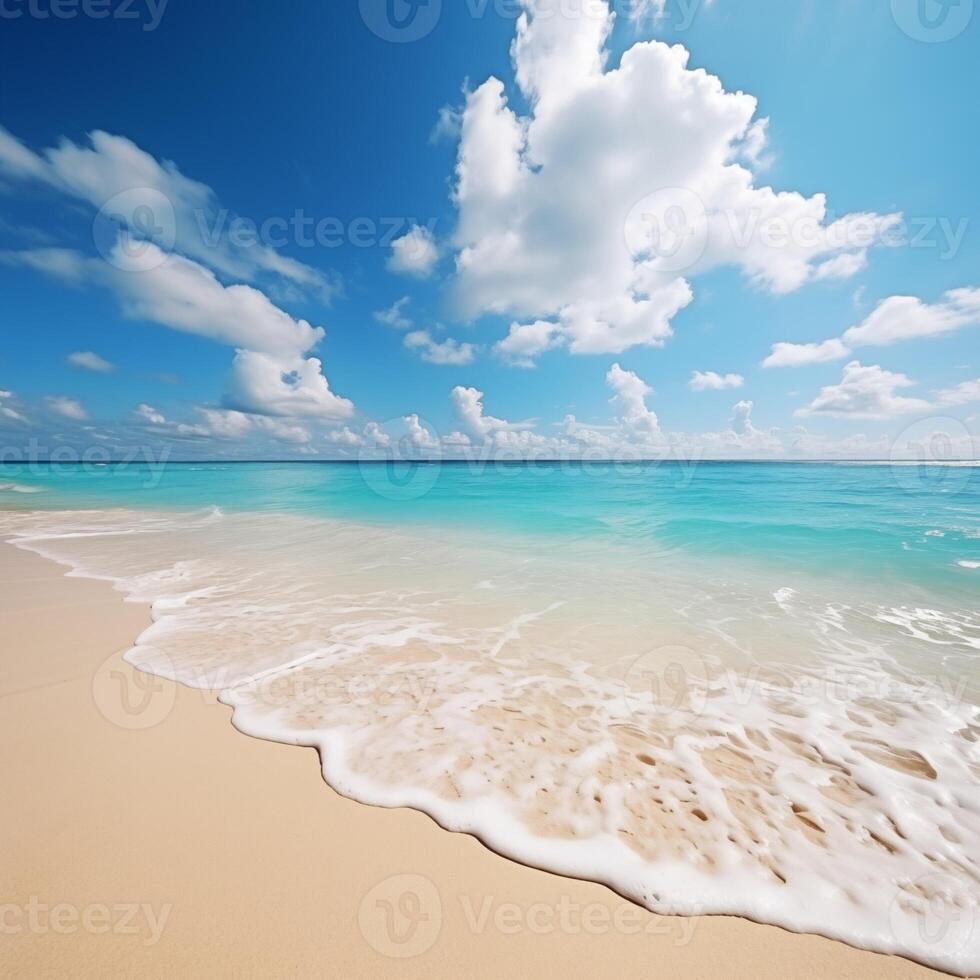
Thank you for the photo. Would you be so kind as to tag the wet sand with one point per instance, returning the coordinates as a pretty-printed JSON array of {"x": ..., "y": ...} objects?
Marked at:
[{"x": 144, "y": 836}]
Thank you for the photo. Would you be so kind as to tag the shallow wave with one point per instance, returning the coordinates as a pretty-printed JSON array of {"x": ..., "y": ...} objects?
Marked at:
[
  {"x": 954, "y": 463},
  {"x": 700, "y": 741},
  {"x": 19, "y": 488}
]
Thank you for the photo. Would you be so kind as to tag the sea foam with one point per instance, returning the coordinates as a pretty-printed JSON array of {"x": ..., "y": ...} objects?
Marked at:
[{"x": 673, "y": 733}]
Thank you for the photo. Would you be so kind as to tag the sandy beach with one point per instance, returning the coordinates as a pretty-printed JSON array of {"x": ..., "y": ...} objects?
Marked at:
[{"x": 139, "y": 840}]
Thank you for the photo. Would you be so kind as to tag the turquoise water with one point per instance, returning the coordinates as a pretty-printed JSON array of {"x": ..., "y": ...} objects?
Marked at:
[
  {"x": 741, "y": 689},
  {"x": 908, "y": 526}
]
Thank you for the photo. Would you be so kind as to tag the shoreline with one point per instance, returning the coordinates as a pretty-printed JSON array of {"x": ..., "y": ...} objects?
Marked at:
[{"x": 154, "y": 846}]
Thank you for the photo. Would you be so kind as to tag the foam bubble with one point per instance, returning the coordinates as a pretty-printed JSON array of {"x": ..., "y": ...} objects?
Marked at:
[{"x": 784, "y": 596}]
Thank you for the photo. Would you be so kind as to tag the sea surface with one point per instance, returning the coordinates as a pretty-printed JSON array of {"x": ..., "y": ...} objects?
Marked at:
[{"x": 739, "y": 688}]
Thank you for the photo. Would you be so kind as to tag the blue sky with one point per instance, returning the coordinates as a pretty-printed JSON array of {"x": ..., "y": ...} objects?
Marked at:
[{"x": 551, "y": 312}]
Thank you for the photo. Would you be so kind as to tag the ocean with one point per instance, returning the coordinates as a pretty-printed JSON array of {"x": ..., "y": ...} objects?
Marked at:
[{"x": 739, "y": 688}]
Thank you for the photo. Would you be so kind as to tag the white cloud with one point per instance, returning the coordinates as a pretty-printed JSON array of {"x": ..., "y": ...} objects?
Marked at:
[
  {"x": 644, "y": 10},
  {"x": 16, "y": 160},
  {"x": 448, "y": 351},
  {"x": 457, "y": 440},
  {"x": 291, "y": 387},
  {"x": 394, "y": 316},
  {"x": 283, "y": 430},
  {"x": 415, "y": 253},
  {"x": 630, "y": 400},
  {"x": 742, "y": 417},
  {"x": 417, "y": 435},
  {"x": 220, "y": 424},
  {"x": 556, "y": 219},
  {"x": 235, "y": 426},
  {"x": 376, "y": 435},
  {"x": 230, "y": 425},
  {"x": 636, "y": 430},
  {"x": 7, "y": 410},
  {"x": 712, "y": 381},
  {"x": 181, "y": 294},
  {"x": 271, "y": 375},
  {"x": 448, "y": 124},
  {"x": 894, "y": 319},
  {"x": 147, "y": 413},
  {"x": 527, "y": 340},
  {"x": 907, "y": 317},
  {"x": 468, "y": 404},
  {"x": 796, "y": 355},
  {"x": 865, "y": 392},
  {"x": 843, "y": 266},
  {"x": 155, "y": 201},
  {"x": 69, "y": 408},
  {"x": 343, "y": 437},
  {"x": 963, "y": 394},
  {"x": 754, "y": 145},
  {"x": 90, "y": 361},
  {"x": 63, "y": 263}
]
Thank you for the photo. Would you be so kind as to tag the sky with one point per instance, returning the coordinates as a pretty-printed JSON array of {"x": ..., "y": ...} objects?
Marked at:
[{"x": 489, "y": 228}]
